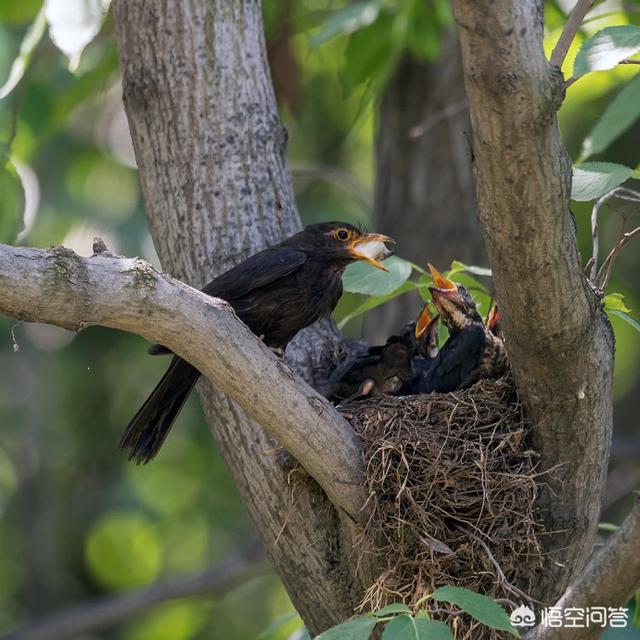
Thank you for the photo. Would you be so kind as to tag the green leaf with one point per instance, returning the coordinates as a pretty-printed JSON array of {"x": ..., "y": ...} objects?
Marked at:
[
  {"x": 375, "y": 301},
  {"x": 457, "y": 266},
  {"x": 355, "y": 629},
  {"x": 627, "y": 318},
  {"x": 636, "y": 613},
  {"x": 277, "y": 624},
  {"x": 593, "y": 179},
  {"x": 608, "y": 527},
  {"x": 396, "y": 607},
  {"x": 370, "y": 54},
  {"x": 619, "y": 115},
  {"x": 11, "y": 203},
  {"x": 20, "y": 64},
  {"x": 73, "y": 24},
  {"x": 409, "y": 628},
  {"x": 605, "y": 49},
  {"x": 480, "y": 607},
  {"x": 348, "y": 20},
  {"x": 361, "y": 277},
  {"x": 615, "y": 301}
]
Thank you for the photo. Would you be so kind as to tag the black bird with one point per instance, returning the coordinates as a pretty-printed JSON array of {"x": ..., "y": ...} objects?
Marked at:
[
  {"x": 276, "y": 293},
  {"x": 472, "y": 351},
  {"x": 382, "y": 369},
  {"x": 426, "y": 351}
]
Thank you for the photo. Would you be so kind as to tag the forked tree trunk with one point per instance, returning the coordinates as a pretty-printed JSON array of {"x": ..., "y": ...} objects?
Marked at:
[{"x": 211, "y": 154}]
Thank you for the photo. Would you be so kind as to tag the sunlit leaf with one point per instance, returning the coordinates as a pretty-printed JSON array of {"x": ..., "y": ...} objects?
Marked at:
[
  {"x": 356, "y": 629},
  {"x": 410, "y": 628},
  {"x": 605, "y": 49},
  {"x": 11, "y": 203},
  {"x": 480, "y": 607},
  {"x": 608, "y": 527},
  {"x": 627, "y": 318},
  {"x": 593, "y": 179},
  {"x": 353, "y": 17},
  {"x": 457, "y": 266},
  {"x": 20, "y": 64},
  {"x": 73, "y": 24},
  {"x": 619, "y": 115},
  {"x": 361, "y": 277},
  {"x": 615, "y": 301},
  {"x": 396, "y": 607}
]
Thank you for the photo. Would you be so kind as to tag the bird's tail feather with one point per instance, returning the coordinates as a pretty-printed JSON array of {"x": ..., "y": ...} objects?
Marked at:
[{"x": 149, "y": 428}]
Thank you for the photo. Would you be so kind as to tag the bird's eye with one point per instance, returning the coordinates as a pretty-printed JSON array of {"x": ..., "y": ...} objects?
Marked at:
[{"x": 342, "y": 234}]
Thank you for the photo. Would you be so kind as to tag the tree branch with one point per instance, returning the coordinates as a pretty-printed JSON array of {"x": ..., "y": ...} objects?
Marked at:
[
  {"x": 609, "y": 580},
  {"x": 560, "y": 342},
  {"x": 61, "y": 288},
  {"x": 111, "y": 611},
  {"x": 574, "y": 21}
]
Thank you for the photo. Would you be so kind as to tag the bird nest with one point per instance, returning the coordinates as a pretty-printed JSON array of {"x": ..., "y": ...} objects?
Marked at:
[{"x": 452, "y": 485}]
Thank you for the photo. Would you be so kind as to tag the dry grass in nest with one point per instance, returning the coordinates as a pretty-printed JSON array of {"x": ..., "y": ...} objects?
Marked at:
[{"x": 452, "y": 486}]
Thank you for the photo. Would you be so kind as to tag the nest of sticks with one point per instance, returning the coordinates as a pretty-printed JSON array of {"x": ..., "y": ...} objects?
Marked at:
[{"x": 452, "y": 485}]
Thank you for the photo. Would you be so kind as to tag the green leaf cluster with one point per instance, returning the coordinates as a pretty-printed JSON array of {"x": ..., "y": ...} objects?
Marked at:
[{"x": 402, "y": 623}]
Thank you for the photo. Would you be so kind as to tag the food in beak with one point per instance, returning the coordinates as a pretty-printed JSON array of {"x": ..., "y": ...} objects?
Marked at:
[{"x": 372, "y": 249}]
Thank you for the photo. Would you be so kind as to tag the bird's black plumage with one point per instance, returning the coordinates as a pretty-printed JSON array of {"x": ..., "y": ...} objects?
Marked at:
[
  {"x": 471, "y": 352},
  {"x": 276, "y": 293},
  {"x": 381, "y": 369}
]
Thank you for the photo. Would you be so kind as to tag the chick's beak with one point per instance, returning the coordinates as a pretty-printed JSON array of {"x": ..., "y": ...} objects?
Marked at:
[
  {"x": 423, "y": 321},
  {"x": 439, "y": 281},
  {"x": 371, "y": 248}
]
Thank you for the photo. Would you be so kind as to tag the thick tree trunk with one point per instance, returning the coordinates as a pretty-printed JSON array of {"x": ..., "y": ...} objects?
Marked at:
[
  {"x": 424, "y": 193},
  {"x": 559, "y": 340},
  {"x": 212, "y": 158}
]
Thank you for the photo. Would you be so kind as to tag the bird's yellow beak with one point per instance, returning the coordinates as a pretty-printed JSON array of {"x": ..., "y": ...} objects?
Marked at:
[
  {"x": 423, "y": 321},
  {"x": 439, "y": 281},
  {"x": 371, "y": 248}
]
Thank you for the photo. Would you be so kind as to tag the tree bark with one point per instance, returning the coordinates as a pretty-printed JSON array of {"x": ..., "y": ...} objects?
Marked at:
[
  {"x": 559, "y": 340},
  {"x": 212, "y": 158},
  {"x": 424, "y": 192}
]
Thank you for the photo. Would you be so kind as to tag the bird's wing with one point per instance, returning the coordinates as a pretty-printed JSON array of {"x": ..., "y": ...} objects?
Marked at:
[
  {"x": 258, "y": 271},
  {"x": 457, "y": 361}
]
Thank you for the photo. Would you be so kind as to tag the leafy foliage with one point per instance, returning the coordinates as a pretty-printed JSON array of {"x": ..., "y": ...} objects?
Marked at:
[
  {"x": 593, "y": 179},
  {"x": 619, "y": 115},
  {"x": 607, "y": 48},
  {"x": 29, "y": 43},
  {"x": 359, "y": 628},
  {"x": 73, "y": 24},
  {"x": 483, "y": 609},
  {"x": 400, "y": 623},
  {"x": 416, "y": 628}
]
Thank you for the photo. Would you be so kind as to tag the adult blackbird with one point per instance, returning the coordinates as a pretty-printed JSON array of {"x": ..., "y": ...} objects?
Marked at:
[
  {"x": 472, "y": 351},
  {"x": 276, "y": 293}
]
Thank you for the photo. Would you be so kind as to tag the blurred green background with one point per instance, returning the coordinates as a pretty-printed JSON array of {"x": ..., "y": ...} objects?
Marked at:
[{"x": 77, "y": 521}]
